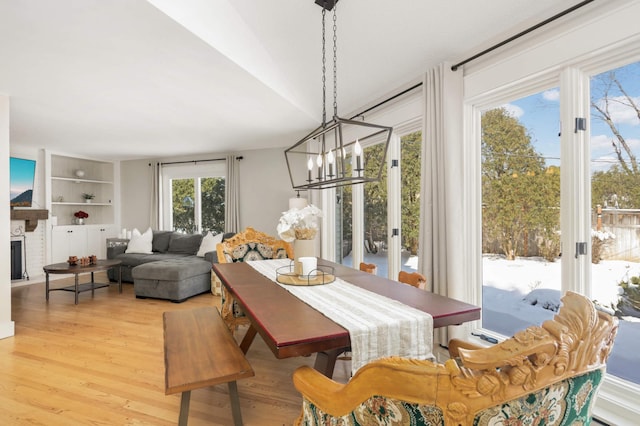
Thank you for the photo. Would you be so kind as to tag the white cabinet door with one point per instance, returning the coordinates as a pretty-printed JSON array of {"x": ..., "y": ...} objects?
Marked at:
[
  {"x": 68, "y": 241},
  {"x": 97, "y": 239}
]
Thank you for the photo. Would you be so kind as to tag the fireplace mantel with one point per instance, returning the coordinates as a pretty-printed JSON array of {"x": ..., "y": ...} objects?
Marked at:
[{"x": 30, "y": 216}]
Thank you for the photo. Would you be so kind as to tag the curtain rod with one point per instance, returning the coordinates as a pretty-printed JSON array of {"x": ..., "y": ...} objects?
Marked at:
[
  {"x": 196, "y": 161},
  {"x": 387, "y": 100},
  {"x": 520, "y": 34}
]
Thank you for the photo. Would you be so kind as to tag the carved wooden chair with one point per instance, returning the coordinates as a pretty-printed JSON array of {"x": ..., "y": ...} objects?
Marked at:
[
  {"x": 247, "y": 245},
  {"x": 415, "y": 279},
  {"x": 370, "y": 268},
  {"x": 542, "y": 375}
]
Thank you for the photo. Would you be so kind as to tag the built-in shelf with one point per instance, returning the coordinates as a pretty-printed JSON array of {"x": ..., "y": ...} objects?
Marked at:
[
  {"x": 64, "y": 203},
  {"x": 70, "y": 178},
  {"x": 76, "y": 180}
]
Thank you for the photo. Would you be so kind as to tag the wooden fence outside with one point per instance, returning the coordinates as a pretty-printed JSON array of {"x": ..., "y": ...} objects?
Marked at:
[{"x": 625, "y": 225}]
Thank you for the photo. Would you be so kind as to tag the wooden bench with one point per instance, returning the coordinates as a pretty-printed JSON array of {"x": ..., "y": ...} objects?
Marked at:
[{"x": 200, "y": 351}]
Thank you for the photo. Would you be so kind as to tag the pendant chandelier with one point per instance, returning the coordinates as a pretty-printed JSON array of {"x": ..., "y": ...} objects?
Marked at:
[{"x": 332, "y": 155}]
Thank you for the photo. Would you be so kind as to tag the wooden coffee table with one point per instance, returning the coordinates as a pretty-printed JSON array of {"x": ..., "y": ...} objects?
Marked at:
[{"x": 77, "y": 288}]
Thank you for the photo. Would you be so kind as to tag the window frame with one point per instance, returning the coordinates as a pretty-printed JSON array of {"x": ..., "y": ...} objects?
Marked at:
[
  {"x": 405, "y": 115},
  {"x": 189, "y": 171},
  {"x": 617, "y": 397}
]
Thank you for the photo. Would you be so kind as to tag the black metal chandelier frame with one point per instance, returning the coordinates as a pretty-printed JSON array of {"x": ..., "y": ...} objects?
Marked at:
[{"x": 324, "y": 152}]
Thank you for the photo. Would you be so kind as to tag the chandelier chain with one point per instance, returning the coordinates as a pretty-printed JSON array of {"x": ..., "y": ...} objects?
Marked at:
[
  {"x": 335, "y": 60},
  {"x": 324, "y": 71}
]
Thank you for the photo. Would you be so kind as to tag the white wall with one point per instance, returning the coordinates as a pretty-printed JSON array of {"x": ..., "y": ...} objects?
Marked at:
[
  {"x": 265, "y": 189},
  {"x": 6, "y": 325},
  {"x": 135, "y": 190}
]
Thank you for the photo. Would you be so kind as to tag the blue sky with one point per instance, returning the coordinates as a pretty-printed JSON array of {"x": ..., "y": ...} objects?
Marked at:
[{"x": 540, "y": 114}]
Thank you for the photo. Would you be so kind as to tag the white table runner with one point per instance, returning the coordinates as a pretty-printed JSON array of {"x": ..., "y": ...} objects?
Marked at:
[{"x": 378, "y": 326}]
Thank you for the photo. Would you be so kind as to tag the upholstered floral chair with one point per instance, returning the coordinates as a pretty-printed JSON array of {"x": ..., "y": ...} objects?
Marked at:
[
  {"x": 544, "y": 375},
  {"x": 247, "y": 245}
]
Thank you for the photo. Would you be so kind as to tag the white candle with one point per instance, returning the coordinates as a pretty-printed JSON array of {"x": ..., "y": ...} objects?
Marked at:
[
  {"x": 309, "y": 266},
  {"x": 357, "y": 150},
  {"x": 319, "y": 163},
  {"x": 310, "y": 167},
  {"x": 330, "y": 161}
]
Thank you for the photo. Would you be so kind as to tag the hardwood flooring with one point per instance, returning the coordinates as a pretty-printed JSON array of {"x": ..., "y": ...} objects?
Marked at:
[{"x": 101, "y": 363}]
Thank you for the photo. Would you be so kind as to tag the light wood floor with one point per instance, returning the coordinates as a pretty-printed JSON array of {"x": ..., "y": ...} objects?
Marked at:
[{"x": 101, "y": 363}]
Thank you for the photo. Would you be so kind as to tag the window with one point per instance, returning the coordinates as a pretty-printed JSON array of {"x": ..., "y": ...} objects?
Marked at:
[
  {"x": 521, "y": 212},
  {"x": 596, "y": 186},
  {"x": 615, "y": 202},
  {"x": 197, "y": 194},
  {"x": 570, "y": 56},
  {"x": 410, "y": 175},
  {"x": 363, "y": 211}
]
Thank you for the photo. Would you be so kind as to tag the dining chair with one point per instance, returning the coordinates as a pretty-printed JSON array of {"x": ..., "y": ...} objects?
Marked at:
[
  {"x": 371, "y": 268},
  {"x": 415, "y": 279},
  {"x": 247, "y": 245},
  {"x": 546, "y": 374}
]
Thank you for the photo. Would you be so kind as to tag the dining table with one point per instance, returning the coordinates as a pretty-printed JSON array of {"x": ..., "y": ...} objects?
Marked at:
[{"x": 292, "y": 328}]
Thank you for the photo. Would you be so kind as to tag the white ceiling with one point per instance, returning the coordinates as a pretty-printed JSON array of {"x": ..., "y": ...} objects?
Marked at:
[{"x": 125, "y": 79}]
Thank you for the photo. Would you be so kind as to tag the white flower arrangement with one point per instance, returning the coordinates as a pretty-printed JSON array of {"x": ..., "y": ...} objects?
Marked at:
[{"x": 299, "y": 224}]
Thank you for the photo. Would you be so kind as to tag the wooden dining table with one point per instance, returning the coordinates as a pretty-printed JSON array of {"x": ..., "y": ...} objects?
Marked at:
[{"x": 292, "y": 328}]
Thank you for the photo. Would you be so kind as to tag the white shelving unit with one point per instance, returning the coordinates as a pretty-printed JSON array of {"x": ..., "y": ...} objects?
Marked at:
[
  {"x": 67, "y": 189},
  {"x": 63, "y": 190}
]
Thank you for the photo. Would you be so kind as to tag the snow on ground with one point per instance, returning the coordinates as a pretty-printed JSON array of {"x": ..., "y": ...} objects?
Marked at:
[
  {"x": 519, "y": 293},
  {"x": 512, "y": 287}
]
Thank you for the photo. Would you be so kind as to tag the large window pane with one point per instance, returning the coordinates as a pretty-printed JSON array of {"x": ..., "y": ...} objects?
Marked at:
[
  {"x": 213, "y": 205},
  {"x": 521, "y": 213},
  {"x": 615, "y": 196},
  {"x": 197, "y": 203},
  {"x": 375, "y": 211},
  {"x": 183, "y": 205},
  {"x": 410, "y": 154}
]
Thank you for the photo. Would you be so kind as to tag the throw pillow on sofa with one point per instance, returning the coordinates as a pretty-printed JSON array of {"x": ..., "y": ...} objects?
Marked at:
[
  {"x": 209, "y": 243},
  {"x": 161, "y": 241},
  {"x": 140, "y": 243},
  {"x": 184, "y": 244}
]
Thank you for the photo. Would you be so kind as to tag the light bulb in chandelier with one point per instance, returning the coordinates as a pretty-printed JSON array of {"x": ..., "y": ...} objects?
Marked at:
[
  {"x": 357, "y": 151},
  {"x": 319, "y": 163},
  {"x": 330, "y": 160}
]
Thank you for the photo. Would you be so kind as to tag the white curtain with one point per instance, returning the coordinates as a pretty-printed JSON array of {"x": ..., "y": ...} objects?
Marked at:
[
  {"x": 232, "y": 195},
  {"x": 156, "y": 194},
  {"x": 441, "y": 226}
]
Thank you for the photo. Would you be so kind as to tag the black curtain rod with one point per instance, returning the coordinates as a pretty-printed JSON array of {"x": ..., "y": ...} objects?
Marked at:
[
  {"x": 520, "y": 34},
  {"x": 196, "y": 161},
  {"x": 387, "y": 100}
]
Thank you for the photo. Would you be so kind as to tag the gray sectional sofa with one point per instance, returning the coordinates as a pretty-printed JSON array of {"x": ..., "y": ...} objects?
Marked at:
[{"x": 172, "y": 271}]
